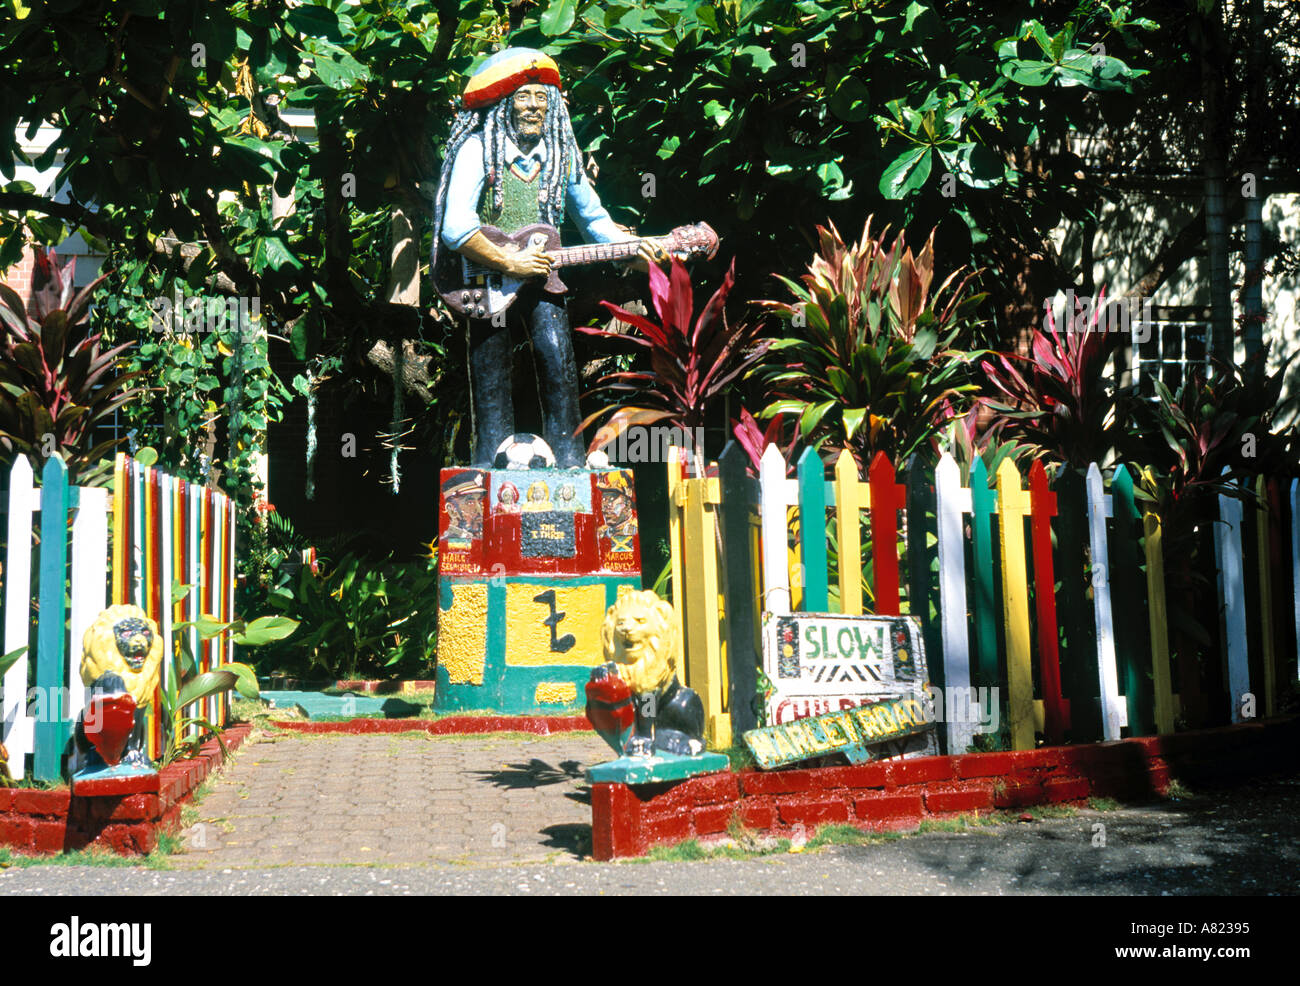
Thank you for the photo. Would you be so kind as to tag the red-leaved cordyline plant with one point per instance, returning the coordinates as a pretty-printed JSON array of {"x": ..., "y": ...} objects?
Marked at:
[
  {"x": 54, "y": 380},
  {"x": 754, "y": 440},
  {"x": 693, "y": 359},
  {"x": 1057, "y": 400}
]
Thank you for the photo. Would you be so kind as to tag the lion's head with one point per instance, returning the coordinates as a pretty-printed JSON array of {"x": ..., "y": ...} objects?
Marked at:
[
  {"x": 125, "y": 641},
  {"x": 640, "y": 636}
]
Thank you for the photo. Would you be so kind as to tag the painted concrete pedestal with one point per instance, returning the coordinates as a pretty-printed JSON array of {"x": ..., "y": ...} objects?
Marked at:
[{"x": 529, "y": 560}]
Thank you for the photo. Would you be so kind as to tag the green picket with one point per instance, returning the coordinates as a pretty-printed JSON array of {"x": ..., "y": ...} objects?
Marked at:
[
  {"x": 984, "y": 604},
  {"x": 51, "y": 727},
  {"x": 812, "y": 532}
]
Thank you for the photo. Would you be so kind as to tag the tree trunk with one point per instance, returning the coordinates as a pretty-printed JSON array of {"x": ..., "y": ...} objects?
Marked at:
[
  {"x": 1215, "y": 167},
  {"x": 1252, "y": 292}
]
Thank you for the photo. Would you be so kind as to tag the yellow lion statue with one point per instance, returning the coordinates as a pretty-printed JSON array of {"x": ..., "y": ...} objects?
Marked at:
[
  {"x": 635, "y": 700},
  {"x": 640, "y": 636},
  {"x": 124, "y": 641},
  {"x": 121, "y": 657}
]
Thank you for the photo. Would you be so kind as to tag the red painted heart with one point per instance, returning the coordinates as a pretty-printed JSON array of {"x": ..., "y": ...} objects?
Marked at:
[{"x": 108, "y": 725}]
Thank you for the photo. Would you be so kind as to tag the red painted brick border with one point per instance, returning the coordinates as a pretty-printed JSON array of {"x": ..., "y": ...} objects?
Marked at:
[
  {"x": 540, "y": 725},
  {"x": 125, "y": 822},
  {"x": 899, "y": 794}
]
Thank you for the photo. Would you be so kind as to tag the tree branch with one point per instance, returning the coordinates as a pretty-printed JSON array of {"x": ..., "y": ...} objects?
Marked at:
[
  {"x": 448, "y": 21},
  {"x": 69, "y": 211},
  {"x": 187, "y": 253},
  {"x": 415, "y": 369}
]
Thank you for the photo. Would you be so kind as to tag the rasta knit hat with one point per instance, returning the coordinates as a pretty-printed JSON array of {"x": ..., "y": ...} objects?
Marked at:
[{"x": 501, "y": 74}]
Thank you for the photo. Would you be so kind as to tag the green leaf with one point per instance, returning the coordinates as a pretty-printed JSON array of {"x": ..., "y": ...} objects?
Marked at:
[
  {"x": 336, "y": 67},
  {"x": 314, "y": 21},
  {"x": 558, "y": 17},
  {"x": 264, "y": 630},
  {"x": 146, "y": 456},
  {"x": 907, "y": 173},
  {"x": 760, "y": 58},
  {"x": 853, "y": 421},
  {"x": 10, "y": 659},
  {"x": 222, "y": 679},
  {"x": 179, "y": 591},
  {"x": 851, "y": 100},
  {"x": 914, "y": 10}
]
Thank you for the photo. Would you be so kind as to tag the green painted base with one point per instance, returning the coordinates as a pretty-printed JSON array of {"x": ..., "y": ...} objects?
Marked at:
[
  {"x": 317, "y": 706},
  {"x": 516, "y": 695},
  {"x": 660, "y": 767}
]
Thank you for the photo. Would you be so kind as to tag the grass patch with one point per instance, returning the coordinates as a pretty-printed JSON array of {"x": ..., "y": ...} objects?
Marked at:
[
  {"x": 842, "y": 835},
  {"x": 958, "y": 823},
  {"x": 1176, "y": 792},
  {"x": 739, "y": 756},
  {"x": 95, "y": 856},
  {"x": 1039, "y": 812},
  {"x": 1103, "y": 804}
]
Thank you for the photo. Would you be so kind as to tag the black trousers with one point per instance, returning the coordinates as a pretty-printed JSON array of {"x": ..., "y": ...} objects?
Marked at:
[{"x": 491, "y": 389}]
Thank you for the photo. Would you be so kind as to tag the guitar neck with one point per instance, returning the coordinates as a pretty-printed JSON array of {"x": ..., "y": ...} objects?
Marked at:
[{"x": 595, "y": 253}]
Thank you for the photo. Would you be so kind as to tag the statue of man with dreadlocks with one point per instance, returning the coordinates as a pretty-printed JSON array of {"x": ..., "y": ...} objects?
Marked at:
[{"x": 512, "y": 161}]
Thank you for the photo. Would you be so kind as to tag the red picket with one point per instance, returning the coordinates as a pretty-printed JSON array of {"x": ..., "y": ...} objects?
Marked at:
[
  {"x": 887, "y": 498},
  {"x": 157, "y": 591},
  {"x": 1056, "y": 708}
]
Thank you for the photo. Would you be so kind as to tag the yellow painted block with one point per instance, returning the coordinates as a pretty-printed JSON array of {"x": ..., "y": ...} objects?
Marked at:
[
  {"x": 462, "y": 635},
  {"x": 529, "y": 638},
  {"x": 555, "y": 692}
]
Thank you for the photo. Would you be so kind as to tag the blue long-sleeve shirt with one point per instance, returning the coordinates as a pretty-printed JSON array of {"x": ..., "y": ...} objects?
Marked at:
[{"x": 460, "y": 219}]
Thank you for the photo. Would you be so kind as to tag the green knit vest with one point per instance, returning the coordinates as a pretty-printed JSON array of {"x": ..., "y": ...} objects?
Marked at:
[{"x": 519, "y": 208}]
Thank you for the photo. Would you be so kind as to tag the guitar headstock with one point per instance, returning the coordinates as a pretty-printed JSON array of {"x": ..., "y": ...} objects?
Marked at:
[{"x": 695, "y": 240}]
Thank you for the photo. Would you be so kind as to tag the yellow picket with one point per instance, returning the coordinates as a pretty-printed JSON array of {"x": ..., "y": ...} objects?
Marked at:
[
  {"x": 1162, "y": 678},
  {"x": 848, "y": 507},
  {"x": 704, "y": 669},
  {"x": 1013, "y": 507},
  {"x": 675, "y": 540}
]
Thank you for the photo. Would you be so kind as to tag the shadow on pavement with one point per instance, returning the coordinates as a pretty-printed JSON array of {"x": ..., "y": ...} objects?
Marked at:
[
  {"x": 535, "y": 773},
  {"x": 573, "y": 838}
]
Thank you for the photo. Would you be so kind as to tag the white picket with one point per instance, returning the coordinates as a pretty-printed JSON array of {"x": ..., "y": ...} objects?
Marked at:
[
  {"x": 89, "y": 582},
  {"x": 774, "y": 492},
  {"x": 135, "y": 590},
  {"x": 24, "y": 501},
  {"x": 1295, "y": 561},
  {"x": 1114, "y": 710},
  {"x": 1231, "y": 566},
  {"x": 218, "y": 565},
  {"x": 952, "y": 501},
  {"x": 230, "y": 576}
]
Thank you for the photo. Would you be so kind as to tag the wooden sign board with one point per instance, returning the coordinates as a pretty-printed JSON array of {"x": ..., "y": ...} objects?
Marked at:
[
  {"x": 827, "y": 662},
  {"x": 857, "y": 733}
]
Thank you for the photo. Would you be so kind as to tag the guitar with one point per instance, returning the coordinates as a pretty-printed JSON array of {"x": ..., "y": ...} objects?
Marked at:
[{"x": 476, "y": 291}]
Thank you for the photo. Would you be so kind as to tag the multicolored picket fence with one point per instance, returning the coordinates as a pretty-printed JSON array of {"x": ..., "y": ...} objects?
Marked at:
[
  {"x": 1055, "y": 594},
  {"x": 151, "y": 534}
]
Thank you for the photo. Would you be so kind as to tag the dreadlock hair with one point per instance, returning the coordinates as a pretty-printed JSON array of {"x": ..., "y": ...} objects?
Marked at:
[{"x": 496, "y": 123}]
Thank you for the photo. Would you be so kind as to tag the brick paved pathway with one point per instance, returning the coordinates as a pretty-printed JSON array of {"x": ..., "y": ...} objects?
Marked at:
[{"x": 403, "y": 798}]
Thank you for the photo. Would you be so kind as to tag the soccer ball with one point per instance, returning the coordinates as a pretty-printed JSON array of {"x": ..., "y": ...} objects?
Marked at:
[{"x": 524, "y": 451}]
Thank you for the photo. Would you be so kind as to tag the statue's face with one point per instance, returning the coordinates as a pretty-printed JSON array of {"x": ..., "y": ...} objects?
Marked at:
[{"x": 529, "y": 111}]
